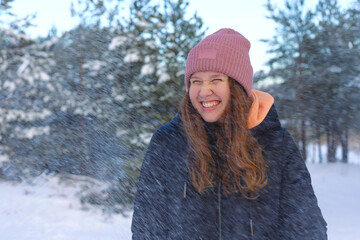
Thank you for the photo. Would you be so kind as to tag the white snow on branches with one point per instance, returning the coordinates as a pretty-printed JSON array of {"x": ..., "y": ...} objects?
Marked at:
[
  {"x": 132, "y": 56},
  {"x": 12, "y": 115},
  {"x": 23, "y": 66},
  {"x": 116, "y": 42},
  {"x": 334, "y": 69},
  {"x": 94, "y": 65},
  {"x": 147, "y": 69},
  {"x": 30, "y": 133},
  {"x": 10, "y": 85}
]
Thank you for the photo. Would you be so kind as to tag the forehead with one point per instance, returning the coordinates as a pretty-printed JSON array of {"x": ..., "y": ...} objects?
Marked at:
[{"x": 207, "y": 74}]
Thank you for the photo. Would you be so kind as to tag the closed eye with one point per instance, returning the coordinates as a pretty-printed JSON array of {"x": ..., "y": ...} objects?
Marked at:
[
  {"x": 217, "y": 80},
  {"x": 195, "y": 81}
]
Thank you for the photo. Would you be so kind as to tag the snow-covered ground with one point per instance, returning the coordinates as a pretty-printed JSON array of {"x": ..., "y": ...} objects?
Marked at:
[
  {"x": 48, "y": 209},
  {"x": 337, "y": 187}
]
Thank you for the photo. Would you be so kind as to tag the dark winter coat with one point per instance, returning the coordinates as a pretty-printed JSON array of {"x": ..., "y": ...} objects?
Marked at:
[{"x": 168, "y": 207}]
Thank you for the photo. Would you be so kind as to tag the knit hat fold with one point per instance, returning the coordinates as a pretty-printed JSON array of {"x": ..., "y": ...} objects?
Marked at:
[{"x": 225, "y": 51}]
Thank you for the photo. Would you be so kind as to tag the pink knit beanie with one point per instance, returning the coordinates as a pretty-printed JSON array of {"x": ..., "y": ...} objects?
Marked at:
[{"x": 225, "y": 51}]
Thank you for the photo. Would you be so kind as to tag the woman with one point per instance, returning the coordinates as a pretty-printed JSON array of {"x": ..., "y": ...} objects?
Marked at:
[{"x": 223, "y": 168}]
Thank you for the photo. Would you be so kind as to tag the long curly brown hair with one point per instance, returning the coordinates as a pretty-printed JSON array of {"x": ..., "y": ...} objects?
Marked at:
[{"x": 228, "y": 151}]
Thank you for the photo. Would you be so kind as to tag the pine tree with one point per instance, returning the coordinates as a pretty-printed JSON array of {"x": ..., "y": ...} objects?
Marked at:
[
  {"x": 98, "y": 91},
  {"x": 19, "y": 77},
  {"x": 313, "y": 56},
  {"x": 336, "y": 74},
  {"x": 291, "y": 51},
  {"x": 155, "y": 49},
  {"x": 150, "y": 49}
]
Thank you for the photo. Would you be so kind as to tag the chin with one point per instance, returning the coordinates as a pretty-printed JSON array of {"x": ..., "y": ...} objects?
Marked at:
[{"x": 210, "y": 119}]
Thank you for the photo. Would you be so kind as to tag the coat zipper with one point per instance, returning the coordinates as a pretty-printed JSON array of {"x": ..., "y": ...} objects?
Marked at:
[
  {"x": 251, "y": 229},
  {"x": 185, "y": 188},
  {"x": 219, "y": 209},
  {"x": 251, "y": 219}
]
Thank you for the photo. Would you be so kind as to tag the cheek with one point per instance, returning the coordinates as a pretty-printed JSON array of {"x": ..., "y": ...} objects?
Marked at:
[
  {"x": 226, "y": 96},
  {"x": 192, "y": 95}
]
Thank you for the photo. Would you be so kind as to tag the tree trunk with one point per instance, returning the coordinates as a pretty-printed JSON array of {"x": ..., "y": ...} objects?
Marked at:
[
  {"x": 332, "y": 145},
  {"x": 344, "y": 139},
  {"x": 331, "y": 141},
  {"x": 328, "y": 142},
  {"x": 83, "y": 141},
  {"x": 303, "y": 138},
  {"x": 318, "y": 139},
  {"x": 302, "y": 104}
]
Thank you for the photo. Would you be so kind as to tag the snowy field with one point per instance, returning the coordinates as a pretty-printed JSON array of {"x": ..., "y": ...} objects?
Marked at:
[
  {"x": 48, "y": 210},
  {"x": 337, "y": 187}
]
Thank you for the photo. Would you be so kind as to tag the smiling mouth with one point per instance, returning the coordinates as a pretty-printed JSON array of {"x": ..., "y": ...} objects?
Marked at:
[{"x": 210, "y": 104}]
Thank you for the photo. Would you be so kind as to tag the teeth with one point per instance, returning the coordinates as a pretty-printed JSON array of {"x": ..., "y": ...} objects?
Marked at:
[{"x": 210, "y": 104}]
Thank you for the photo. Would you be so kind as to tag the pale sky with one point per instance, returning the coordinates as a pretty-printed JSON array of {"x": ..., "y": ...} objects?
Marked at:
[{"x": 244, "y": 16}]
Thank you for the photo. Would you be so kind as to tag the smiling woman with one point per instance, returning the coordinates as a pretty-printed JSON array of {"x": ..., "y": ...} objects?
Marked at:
[
  {"x": 209, "y": 94},
  {"x": 224, "y": 168}
]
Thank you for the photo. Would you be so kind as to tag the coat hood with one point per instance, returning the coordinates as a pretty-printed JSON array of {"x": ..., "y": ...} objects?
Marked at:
[{"x": 260, "y": 107}]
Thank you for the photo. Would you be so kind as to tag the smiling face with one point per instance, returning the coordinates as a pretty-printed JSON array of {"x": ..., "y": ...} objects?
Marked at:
[{"x": 209, "y": 94}]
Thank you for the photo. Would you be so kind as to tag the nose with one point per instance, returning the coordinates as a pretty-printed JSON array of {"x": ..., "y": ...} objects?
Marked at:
[{"x": 206, "y": 90}]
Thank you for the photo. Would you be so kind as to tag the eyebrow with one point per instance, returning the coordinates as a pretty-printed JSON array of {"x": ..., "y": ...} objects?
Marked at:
[{"x": 212, "y": 76}]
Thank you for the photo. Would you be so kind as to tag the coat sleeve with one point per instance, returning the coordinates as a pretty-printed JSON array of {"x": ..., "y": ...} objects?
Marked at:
[
  {"x": 149, "y": 217},
  {"x": 300, "y": 216}
]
